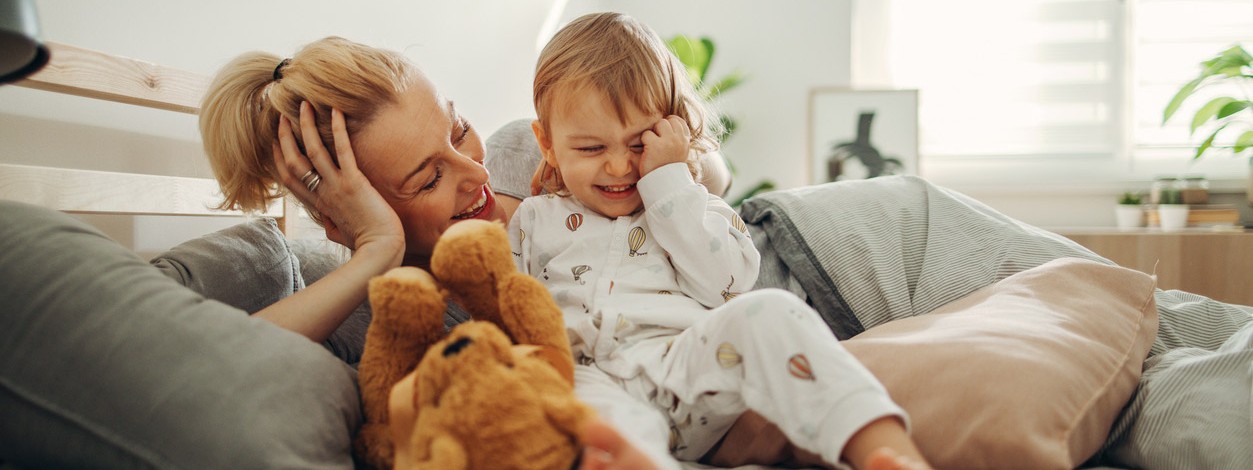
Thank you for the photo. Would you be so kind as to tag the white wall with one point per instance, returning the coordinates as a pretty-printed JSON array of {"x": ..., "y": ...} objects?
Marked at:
[{"x": 480, "y": 52}]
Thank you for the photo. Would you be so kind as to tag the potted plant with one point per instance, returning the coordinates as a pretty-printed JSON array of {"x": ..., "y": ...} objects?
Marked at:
[
  {"x": 1229, "y": 114},
  {"x": 1128, "y": 212},
  {"x": 696, "y": 54},
  {"x": 1172, "y": 213}
]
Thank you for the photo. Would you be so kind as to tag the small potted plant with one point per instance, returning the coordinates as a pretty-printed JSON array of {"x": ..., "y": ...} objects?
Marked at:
[
  {"x": 1128, "y": 212},
  {"x": 1172, "y": 213}
]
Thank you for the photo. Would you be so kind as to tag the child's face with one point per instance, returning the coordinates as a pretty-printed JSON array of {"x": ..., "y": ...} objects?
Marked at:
[{"x": 597, "y": 154}]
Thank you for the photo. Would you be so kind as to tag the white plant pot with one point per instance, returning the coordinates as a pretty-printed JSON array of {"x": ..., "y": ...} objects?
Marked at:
[
  {"x": 1173, "y": 217},
  {"x": 1129, "y": 216}
]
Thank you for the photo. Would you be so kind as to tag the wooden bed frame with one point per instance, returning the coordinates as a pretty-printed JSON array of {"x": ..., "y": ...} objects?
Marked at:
[{"x": 83, "y": 72}]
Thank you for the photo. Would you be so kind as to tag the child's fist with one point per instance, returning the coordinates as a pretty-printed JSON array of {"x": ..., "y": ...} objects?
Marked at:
[{"x": 669, "y": 141}]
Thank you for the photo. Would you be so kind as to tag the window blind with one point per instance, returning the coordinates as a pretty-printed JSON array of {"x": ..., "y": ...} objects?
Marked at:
[
  {"x": 1026, "y": 79},
  {"x": 1169, "y": 41}
]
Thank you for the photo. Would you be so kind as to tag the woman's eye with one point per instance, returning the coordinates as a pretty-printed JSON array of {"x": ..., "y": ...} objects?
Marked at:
[
  {"x": 463, "y": 134},
  {"x": 439, "y": 174}
]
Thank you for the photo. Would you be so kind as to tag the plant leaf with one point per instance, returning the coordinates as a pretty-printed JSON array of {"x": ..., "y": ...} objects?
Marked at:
[
  {"x": 1228, "y": 62},
  {"x": 1209, "y": 142},
  {"x": 708, "y": 58},
  {"x": 728, "y": 128},
  {"x": 1209, "y": 111},
  {"x": 726, "y": 83},
  {"x": 1232, "y": 108},
  {"x": 693, "y": 54},
  {"x": 1243, "y": 142},
  {"x": 1181, "y": 95}
]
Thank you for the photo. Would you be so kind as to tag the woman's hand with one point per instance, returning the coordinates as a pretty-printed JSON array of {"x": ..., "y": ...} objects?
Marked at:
[
  {"x": 353, "y": 212},
  {"x": 606, "y": 449},
  {"x": 669, "y": 141}
]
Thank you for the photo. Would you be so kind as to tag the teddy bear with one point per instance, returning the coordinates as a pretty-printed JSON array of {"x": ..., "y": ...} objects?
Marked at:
[{"x": 495, "y": 392}]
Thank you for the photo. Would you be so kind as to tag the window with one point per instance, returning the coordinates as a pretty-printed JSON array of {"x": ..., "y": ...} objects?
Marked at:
[{"x": 1045, "y": 91}]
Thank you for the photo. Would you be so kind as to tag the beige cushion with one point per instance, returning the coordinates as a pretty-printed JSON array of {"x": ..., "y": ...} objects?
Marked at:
[{"x": 1027, "y": 373}]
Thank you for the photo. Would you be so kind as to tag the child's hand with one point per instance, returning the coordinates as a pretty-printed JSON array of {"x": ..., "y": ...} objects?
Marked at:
[{"x": 669, "y": 141}]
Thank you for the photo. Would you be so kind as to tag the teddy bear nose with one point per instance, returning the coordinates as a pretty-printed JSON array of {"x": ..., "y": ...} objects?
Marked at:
[{"x": 457, "y": 346}]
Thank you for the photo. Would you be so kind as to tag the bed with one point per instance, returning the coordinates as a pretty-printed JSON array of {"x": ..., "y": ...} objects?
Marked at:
[{"x": 179, "y": 377}]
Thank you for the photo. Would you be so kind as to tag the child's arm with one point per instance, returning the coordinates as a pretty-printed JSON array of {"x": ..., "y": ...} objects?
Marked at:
[{"x": 707, "y": 242}]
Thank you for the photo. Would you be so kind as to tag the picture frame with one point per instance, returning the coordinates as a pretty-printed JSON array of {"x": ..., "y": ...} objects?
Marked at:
[{"x": 862, "y": 133}]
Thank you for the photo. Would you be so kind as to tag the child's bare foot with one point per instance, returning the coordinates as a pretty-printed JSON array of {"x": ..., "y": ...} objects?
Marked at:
[{"x": 884, "y": 458}]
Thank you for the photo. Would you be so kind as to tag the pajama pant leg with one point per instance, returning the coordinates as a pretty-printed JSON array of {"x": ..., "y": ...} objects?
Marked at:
[
  {"x": 770, "y": 352},
  {"x": 637, "y": 420}
]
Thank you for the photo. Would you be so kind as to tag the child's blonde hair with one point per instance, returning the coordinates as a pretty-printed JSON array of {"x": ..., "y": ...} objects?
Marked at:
[
  {"x": 240, "y": 112},
  {"x": 617, "y": 55}
]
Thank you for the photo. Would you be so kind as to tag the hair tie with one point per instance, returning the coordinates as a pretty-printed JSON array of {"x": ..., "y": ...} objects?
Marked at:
[{"x": 278, "y": 70}]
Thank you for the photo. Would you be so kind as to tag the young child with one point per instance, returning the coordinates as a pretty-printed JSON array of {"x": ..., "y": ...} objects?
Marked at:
[{"x": 653, "y": 273}]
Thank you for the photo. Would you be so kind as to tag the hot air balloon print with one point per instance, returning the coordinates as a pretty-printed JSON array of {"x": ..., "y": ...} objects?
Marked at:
[
  {"x": 727, "y": 295},
  {"x": 574, "y": 221},
  {"x": 738, "y": 223},
  {"x": 798, "y": 366},
  {"x": 579, "y": 271},
  {"x": 728, "y": 357},
  {"x": 635, "y": 238}
]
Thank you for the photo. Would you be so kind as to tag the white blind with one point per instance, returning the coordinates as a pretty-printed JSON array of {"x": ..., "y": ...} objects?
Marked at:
[
  {"x": 1169, "y": 41},
  {"x": 1020, "y": 78}
]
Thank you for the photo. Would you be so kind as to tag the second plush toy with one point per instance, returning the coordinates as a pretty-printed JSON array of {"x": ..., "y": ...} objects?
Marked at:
[{"x": 494, "y": 393}]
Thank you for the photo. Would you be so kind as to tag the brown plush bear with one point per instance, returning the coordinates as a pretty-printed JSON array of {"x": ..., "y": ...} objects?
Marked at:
[{"x": 480, "y": 399}]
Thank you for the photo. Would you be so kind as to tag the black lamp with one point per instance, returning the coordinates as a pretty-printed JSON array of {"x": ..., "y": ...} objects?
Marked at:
[{"x": 21, "y": 52}]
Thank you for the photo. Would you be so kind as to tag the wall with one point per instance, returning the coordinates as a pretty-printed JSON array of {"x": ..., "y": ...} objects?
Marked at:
[{"x": 480, "y": 52}]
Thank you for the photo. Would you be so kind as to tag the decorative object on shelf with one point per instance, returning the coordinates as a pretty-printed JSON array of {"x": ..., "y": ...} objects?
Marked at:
[
  {"x": 1160, "y": 184},
  {"x": 1230, "y": 114},
  {"x": 1128, "y": 213},
  {"x": 857, "y": 134},
  {"x": 696, "y": 54},
  {"x": 1172, "y": 213},
  {"x": 1194, "y": 188}
]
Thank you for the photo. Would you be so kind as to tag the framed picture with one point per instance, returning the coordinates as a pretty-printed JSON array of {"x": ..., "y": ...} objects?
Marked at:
[{"x": 858, "y": 134}]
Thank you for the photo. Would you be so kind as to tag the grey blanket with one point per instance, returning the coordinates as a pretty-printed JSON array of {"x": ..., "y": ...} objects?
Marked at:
[{"x": 867, "y": 252}]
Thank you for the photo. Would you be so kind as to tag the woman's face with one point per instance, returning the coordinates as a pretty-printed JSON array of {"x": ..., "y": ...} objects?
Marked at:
[{"x": 427, "y": 162}]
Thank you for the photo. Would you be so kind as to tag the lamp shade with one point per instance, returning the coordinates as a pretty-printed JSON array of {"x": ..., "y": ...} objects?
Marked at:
[{"x": 21, "y": 52}]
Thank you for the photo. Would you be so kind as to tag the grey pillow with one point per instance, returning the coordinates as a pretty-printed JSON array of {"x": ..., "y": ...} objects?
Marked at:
[
  {"x": 247, "y": 266},
  {"x": 104, "y": 362}
]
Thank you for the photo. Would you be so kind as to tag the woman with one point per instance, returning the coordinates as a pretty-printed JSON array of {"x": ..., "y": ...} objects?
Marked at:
[{"x": 414, "y": 167}]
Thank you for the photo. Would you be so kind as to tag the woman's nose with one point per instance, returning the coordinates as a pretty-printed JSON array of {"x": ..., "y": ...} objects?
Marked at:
[
  {"x": 472, "y": 174},
  {"x": 621, "y": 163}
]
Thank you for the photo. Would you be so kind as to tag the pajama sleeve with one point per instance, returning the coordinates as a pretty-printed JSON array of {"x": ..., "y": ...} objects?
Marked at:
[{"x": 705, "y": 239}]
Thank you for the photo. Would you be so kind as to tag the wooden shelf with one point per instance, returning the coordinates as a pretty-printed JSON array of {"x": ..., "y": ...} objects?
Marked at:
[{"x": 1215, "y": 263}]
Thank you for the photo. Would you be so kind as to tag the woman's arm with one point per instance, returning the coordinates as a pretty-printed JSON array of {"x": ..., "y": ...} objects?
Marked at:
[{"x": 354, "y": 215}]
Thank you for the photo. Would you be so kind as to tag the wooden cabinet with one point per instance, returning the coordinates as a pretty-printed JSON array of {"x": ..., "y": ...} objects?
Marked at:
[{"x": 1218, "y": 265}]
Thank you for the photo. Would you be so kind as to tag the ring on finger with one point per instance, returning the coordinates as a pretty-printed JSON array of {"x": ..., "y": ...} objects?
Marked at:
[
  {"x": 304, "y": 179},
  {"x": 313, "y": 182}
]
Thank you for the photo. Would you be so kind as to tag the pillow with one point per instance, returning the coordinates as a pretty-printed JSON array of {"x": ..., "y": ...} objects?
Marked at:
[
  {"x": 1029, "y": 372},
  {"x": 106, "y": 363},
  {"x": 247, "y": 266}
]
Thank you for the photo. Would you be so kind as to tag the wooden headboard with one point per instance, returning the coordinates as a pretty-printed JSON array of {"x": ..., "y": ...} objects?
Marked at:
[{"x": 82, "y": 72}]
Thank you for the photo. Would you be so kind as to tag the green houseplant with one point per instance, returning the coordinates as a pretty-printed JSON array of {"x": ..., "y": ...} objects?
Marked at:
[
  {"x": 1128, "y": 212},
  {"x": 697, "y": 54},
  {"x": 1233, "y": 66},
  {"x": 1229, "y": 114}
]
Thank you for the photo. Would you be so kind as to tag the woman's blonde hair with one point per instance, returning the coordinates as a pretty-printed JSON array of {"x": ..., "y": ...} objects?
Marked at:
[
  {"x": 240, "y": 113},
  {"x": 617, "y": 55}
]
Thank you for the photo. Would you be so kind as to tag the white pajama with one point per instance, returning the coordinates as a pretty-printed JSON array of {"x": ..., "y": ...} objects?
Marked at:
[{"x": 650, "y": 303}]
